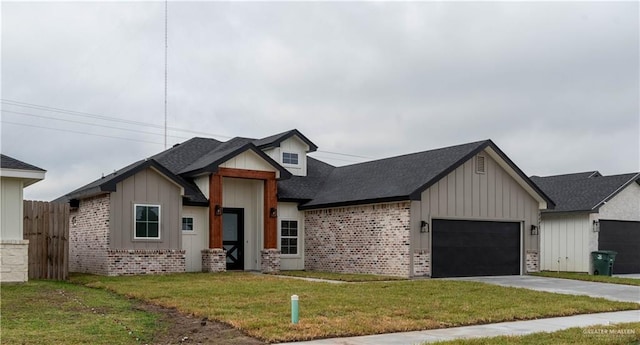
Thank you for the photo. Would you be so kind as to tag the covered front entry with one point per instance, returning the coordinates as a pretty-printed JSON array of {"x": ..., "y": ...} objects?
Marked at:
[
  {"x": 624, "y": 238},
  {"x": 242, "y": 221},
  {"x": 464, "y": 248}
]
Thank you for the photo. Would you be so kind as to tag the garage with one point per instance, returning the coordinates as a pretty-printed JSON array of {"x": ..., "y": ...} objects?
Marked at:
[
  {"x": 463, "y": 248},
  {"x": 624, "y": 238}
]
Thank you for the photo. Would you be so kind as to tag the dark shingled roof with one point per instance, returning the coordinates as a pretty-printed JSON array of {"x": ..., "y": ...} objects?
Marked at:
[
  {"x": 275, "y": 140},
  {"x": 304, "y": 188},
  {"x": 583, "y": 192},
  {"x": 7, "y": 162},
  {"x": 396, "y": 178}
]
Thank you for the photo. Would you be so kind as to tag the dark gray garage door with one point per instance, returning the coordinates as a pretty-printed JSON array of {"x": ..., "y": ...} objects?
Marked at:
[
  {"x": 624, "y": 238},
  {"x": 463, "y": 248}
]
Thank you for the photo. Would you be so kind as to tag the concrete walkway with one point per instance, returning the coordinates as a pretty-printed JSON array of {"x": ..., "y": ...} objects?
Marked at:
[
  {"x": 614, "y": 292},
  {"x": 617, "y": 292},
  {"x": 480, "y": 331}
]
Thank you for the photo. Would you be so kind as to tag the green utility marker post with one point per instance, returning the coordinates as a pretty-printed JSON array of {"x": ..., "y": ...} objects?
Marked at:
[{"x": 294, "y": 309}]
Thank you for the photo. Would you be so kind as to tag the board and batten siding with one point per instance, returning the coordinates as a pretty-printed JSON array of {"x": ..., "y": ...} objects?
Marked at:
[
  {"x": 466, "y": 194},
  {"x": 193, "y": 242},
  {"x": 247, "y": 194},
  {"x": 291, "y": 145},
  {"x": 289, "y": 211},
  {"x": 567, "y": 241},
  {"x": 249, "y": 160},
  {"x": 145, "y": 187},
  {"x": 11, "y": 212}
]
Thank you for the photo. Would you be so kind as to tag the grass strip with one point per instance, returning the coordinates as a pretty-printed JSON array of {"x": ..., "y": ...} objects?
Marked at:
[
  {"x": 345, "y": 277},
  {"x": 260, "y": 305},
  {"x": 618, "y": 334},
  {"x": 589, "y": 278},
  {"x": 48, "y": 312}
]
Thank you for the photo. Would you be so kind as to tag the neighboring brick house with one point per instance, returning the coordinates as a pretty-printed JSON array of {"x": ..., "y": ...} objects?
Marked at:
[
  {"x": 263, "y": 204},
  {"x": 15, "y": 175},
  {"x": 593, "y": 212}
]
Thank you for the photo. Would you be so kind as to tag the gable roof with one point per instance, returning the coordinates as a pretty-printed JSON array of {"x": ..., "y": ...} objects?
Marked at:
[
  {"x": 7, "y": 162},
  {"x": 403, "y": 177},
  {"x": 11, "y": 167},
  {"x": 275, "y": 140},
  {"x": 583, "y": 192},
  {"x": 108, "y": 183},
  {"x": 225, "y": 151},
  {"x": 304, "y": 188}
]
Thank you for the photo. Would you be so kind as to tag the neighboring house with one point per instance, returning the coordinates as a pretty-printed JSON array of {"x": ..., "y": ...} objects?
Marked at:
[
  {"x": 593, "y": 212},
  {"x": 263, "y": 204},
  {"x": 14, "y": 249}
]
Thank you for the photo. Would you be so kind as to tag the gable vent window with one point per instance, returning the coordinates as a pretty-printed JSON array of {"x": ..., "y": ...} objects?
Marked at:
[
  {"x": 290, "y": 158},
  {"x": 481, "y": 166}
]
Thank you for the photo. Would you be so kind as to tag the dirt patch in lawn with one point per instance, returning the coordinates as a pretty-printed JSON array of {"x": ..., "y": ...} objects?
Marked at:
[{"x": 186, "y": 329}]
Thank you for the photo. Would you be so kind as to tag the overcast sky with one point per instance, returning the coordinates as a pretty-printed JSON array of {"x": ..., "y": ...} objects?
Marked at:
[{"x": 554, "y": 85}]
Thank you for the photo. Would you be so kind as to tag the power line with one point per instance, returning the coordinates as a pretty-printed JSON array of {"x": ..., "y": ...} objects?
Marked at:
[
  {"x": 78, "y": 132},
  {"x": 103, "y": 117},
  {"x": 87, "y": 123},
  {"x": 146, "y": 124}
]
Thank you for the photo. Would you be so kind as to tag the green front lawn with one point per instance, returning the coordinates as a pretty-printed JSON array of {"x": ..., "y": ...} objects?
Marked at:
[
  {"x": 619, "y": 334},
  {"x": 588, "y": 277},
  {"x": 346, "y": 277},
  {"x": 260, "y": 305},
  {"x": 46, "y": 312}
]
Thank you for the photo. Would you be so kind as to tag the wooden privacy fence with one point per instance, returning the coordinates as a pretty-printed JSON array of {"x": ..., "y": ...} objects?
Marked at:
[{"x": 46, "y": 226}]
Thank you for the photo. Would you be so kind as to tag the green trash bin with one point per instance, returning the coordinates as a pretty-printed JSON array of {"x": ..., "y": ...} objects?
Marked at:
[{"x": 603, "y": 262}]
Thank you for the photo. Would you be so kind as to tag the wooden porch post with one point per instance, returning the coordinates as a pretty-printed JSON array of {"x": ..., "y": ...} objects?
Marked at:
[
  {"x": 270, "y": 222},
  {"x": 215, "y": 221}
]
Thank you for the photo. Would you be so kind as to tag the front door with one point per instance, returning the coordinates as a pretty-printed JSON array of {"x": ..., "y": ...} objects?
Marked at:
[{"x": 232, "y": 237}]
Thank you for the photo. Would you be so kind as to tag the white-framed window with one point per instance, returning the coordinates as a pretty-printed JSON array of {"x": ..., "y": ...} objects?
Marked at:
[
  {"x": 146, "y": 221},
  {"x": 289, "y": 237},
  {"x": 187, "y": 224},
  {"x": 290, "y": 158}
]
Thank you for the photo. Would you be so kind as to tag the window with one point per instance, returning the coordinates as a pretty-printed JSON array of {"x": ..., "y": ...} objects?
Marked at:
[
  {"x": 480, "y": 165},
  {"x": 187, "y": 223},
  {"x": 289, "y": 237},
  {"x": 289, "y": 158},
  {"x": 147, "y": 221}
]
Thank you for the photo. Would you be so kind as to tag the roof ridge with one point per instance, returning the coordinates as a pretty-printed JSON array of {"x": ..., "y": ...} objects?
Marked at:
[{"x": 478, "y": 143}]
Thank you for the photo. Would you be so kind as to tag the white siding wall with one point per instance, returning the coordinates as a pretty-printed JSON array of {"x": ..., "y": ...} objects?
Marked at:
[
  {"x": 193, "y": 242},
  {"x": 289, "y": 211},
  {"x": 248, "y": 160},
  {"x": 248, "y": 195},
  {"x": 292, "y": 145},
  {"x": 624, "y": 206},
  {"x": 566, "y": 242},
  {"x": 203, "y": 183},
  {"x": 11, "y": 212}
]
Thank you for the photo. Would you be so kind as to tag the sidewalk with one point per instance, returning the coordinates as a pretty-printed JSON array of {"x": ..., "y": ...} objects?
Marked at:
[{"x": 480, "y": 331}]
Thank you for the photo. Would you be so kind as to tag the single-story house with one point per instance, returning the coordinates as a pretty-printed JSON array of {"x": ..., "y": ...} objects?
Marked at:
[
  {"x": 593, "y": 212},
  {"x": 264, "y": 204},
  {"x": 15, "y": 175}
]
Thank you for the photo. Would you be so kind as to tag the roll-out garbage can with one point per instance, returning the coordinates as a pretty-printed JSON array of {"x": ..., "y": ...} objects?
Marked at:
[{"x": 603, "y": 262}]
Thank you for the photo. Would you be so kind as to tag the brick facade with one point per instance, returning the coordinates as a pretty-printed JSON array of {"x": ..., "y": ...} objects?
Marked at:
[
  {"x": 14, "y": 261},
  {"x": 370, "y": 239},
  {"x": 90, "y": 252},
  {"x": 214, "y": 260},
  {"x": 421, "y": 263},
  {"x": 138, "y": 261},
  {"x": 89, "y": 236},
  {"x": 533, "y": 262},
  {"x": 270, "y": 260}
]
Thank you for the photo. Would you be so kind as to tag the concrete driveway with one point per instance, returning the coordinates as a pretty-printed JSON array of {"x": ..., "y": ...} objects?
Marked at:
[{"x": 616, "y": 292}]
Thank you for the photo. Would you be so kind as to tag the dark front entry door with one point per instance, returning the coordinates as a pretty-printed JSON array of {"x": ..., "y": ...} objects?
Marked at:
[
  {"x": 232, "y": 237},
  {"x": 475, "y": 248}
]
